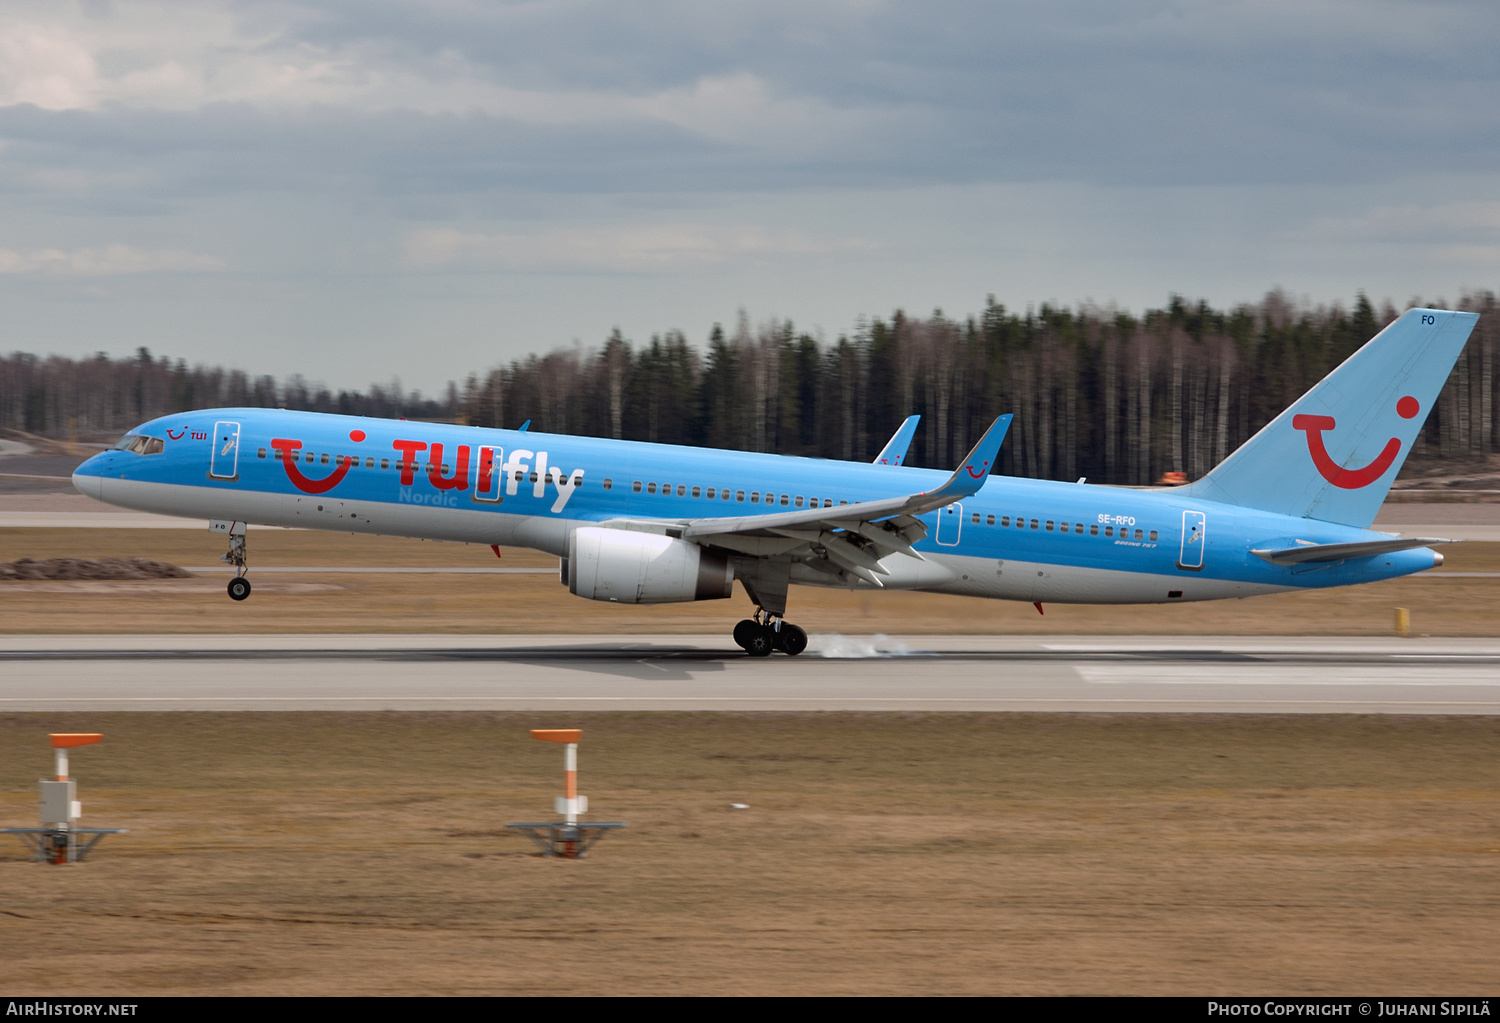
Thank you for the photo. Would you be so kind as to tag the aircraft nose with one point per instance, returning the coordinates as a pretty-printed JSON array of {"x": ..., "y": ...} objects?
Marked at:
[{"x": 88, "y": 478}]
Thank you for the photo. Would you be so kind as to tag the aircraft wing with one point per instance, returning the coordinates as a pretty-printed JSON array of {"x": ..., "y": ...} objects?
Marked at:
[
  {"x": 853, "y": 536},
  {"x": 894, "y": 452},
  {"x": 1319, "y": 552}
]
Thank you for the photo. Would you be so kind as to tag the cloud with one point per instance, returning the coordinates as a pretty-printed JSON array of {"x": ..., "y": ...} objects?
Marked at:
[
  {"x": 106, "y": 261},
  {"x": 165, "y": 56},
  {"x": 1474, "y": 220},
  {"x": 650, "y": 249},
  {"x": 822, "y": 157},
  {"x": 1463, "y": 233},
  {"x": 201, "y": 56},
  {"x": 801, "y": 95},
  {"x": 44, "y": 67},
  {"x": 190, "y": 59}
]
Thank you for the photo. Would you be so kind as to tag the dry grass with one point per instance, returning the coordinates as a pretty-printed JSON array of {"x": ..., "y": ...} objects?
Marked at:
[
  {"x": 538, "y": 604},
  {"x": 365, "y": 853}
]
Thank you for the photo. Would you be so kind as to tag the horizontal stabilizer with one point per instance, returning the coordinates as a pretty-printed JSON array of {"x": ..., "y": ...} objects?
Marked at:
[{"x": 1318, "y": 552}]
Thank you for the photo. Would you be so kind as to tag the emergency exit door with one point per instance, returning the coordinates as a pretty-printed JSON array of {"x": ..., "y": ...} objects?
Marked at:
[{"x": 950, "y": 525}]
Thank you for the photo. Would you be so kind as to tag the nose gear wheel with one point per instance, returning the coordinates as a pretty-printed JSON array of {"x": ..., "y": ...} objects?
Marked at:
[{"x": 239, "y": 586}]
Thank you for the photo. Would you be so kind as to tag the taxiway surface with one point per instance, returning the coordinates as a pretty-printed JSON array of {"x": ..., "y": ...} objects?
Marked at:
[{"x": 927, "y": 673}]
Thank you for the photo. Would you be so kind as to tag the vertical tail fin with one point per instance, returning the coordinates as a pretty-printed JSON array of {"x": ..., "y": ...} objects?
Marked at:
[
  {"x": 894, "y": 452},
  {"x": 1334, "y": 454}
]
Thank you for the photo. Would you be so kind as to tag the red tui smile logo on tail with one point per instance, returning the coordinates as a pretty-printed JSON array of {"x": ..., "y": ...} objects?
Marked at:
[{"x": 1351, "y": 479}]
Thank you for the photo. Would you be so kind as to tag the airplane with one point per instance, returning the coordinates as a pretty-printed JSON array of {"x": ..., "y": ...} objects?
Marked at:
[{"x": 640, "y": 523}]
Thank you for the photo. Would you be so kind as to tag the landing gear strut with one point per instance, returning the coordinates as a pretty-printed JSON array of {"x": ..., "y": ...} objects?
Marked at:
[
  {"x": 766, "y": 632},
  {"x": 239, "y": 586}
]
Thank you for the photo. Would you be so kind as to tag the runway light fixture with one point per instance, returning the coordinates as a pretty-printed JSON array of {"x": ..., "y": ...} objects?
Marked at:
[
  {"x": 56, "y": 841},
  {"x": 571, "y": 839}
]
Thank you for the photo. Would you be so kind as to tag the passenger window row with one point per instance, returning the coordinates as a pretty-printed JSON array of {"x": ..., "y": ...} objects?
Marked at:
[
  {"x": 315, "y": 458},
  {"x": 665, "y": 489},
  {"x": 725, "y": 494},
  {"x": 1062, "y": 527}
]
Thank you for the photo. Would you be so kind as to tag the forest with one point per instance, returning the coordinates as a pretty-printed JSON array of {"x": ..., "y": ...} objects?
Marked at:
[{"x": 1097, "y": 393}]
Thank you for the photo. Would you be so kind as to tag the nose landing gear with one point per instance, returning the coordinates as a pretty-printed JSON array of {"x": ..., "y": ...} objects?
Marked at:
[
  {"x": 239, "y": 586},
  {"x": 764, "y": 633}
]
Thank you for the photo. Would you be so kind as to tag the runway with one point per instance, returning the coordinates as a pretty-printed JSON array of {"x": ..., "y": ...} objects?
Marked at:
[{"x": 846, "y": 673}]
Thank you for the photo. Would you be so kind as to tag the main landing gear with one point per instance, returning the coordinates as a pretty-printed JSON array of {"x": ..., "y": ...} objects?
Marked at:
[
  {"x": 239, "y": 586},
  {"x": 766, "y": 632}
]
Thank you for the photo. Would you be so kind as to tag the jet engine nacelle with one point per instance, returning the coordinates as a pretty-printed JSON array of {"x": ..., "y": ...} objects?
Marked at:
[{"x": 643, "y": 568}]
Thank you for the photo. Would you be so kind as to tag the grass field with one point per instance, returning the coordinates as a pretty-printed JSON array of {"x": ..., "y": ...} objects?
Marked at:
[
  {"x": 539, "y": 604},
  {"x": 946, "y": 854}
]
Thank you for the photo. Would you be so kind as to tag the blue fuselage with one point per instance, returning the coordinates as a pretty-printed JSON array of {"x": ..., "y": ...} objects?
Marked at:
[{"x": 1016, "y": 539}]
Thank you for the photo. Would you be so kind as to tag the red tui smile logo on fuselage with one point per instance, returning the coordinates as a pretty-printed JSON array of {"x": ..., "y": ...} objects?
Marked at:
[
  {"x": 301, "y": 482},
  {"x": 1351, "y": 479}
]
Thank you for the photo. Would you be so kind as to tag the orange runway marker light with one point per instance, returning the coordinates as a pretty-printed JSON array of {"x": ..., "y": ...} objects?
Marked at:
[
  {"x": 64, "y": 741},
  {"x": 571, "y": 839},
  {"x": 57, "y": 840}
]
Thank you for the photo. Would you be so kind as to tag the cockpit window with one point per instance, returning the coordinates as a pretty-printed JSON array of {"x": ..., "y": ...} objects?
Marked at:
[{"x": 141, "y": 444}]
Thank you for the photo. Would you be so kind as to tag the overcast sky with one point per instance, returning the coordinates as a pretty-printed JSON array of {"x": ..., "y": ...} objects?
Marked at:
[{"x": 364, "y": 190}]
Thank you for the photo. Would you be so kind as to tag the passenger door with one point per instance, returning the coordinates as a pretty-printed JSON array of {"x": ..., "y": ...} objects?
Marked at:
[
  {"x": 1194, "y": 532},
  {"x": 225, "y": 461},
  {"x": 490, "y": 475}
]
